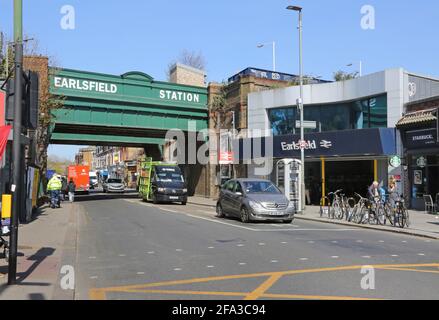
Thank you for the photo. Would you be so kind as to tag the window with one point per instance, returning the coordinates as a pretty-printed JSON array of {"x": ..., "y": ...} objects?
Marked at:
[{"x": 361, "y": 114}]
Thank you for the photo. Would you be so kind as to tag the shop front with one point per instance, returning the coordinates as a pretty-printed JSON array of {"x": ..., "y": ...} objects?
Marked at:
[
  {"x": 350, "y": 159},
  {"x": 419, "y": 133}
]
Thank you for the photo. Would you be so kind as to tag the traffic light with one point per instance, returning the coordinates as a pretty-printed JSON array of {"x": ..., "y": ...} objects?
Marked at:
[{"x": 30, "y": 102}]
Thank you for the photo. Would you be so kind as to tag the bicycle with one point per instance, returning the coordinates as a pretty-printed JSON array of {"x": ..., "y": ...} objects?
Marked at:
[
  {"x": 361, "y": 210},
  {"x": 402, "y": 217},
  {"x": 337, "y": 205}
]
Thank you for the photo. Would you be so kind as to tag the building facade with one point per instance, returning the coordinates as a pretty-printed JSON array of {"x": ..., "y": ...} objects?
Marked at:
[
  {"x": 419, "y": 129},
  {"x": 355, "y": 131}
]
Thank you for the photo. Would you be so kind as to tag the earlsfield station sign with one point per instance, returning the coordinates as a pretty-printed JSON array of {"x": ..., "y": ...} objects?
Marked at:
[{"x": 111, "y": 88}]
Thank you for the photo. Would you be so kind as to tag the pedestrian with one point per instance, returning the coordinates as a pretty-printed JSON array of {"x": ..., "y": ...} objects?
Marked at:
[
  {"x": 71, "y": 187},
  {"x": 54, "y": 186},
  {"x": 63, "y": 188},
  {"x": 374, "y": 191}
]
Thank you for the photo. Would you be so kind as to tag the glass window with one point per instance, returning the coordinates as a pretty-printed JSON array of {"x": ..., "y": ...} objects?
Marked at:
[
  {"x": 361, "y": 114},
  {"x": 252, "y": 187},
  {"x": 282, "y": 121}
]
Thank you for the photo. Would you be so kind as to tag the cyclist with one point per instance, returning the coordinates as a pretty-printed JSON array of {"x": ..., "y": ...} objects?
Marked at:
[{"x": 374, "y": 191}]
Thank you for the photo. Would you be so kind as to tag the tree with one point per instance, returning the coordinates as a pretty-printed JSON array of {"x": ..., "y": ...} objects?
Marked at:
[
  {"x": 47, "y": 101},
  {"x": 343, "y": 76},
  {"x": 189, "y": 58}
]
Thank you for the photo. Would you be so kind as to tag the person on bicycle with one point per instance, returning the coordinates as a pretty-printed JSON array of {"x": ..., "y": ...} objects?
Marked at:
[{"x": 374, "y": 191}]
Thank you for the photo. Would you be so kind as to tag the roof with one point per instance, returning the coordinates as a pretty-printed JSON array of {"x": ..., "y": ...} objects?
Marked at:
[{"x": 418, "y": 117}]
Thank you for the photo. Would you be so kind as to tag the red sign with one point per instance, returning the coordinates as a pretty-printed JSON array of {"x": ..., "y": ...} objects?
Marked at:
[
  {"x": 2, "y": 108},
  {"x": 303, "y": 144},
  {"x": 226, "y": 157}
]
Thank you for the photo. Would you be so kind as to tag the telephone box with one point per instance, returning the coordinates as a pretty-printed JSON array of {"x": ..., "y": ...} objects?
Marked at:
[{"x": 288, "y": 179}]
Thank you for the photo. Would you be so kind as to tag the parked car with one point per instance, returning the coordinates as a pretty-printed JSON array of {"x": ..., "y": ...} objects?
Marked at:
[
  {"x": 113, "y": 185},
  {"x": 254, "y": 200}
]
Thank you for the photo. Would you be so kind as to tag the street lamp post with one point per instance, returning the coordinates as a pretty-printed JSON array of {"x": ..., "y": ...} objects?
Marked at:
[
  {"x": 300, "y": 101},
  {"x": 360, "y": 67},
  {"x": 273, "y": 44}
]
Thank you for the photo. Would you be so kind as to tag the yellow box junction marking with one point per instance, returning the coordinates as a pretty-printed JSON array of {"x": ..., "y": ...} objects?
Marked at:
[{"x": 260, "y": 291}]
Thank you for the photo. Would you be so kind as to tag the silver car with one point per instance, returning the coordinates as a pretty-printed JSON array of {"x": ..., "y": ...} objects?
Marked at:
[
  {"x": 113, "y": 185},
  {"x": 254, "y": 200}
]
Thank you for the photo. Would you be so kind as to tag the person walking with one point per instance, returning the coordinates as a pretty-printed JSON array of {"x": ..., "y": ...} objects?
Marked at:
[
  {"x": 54, "y": 186},
  {"x": 71, "y": 187}
]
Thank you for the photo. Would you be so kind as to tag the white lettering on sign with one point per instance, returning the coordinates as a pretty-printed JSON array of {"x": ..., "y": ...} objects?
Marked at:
[
  {"x": 307, "y": 145},
  {"x": 179, "y": 96},
  {"x": 421, "y": 138},
  {"x": 84, "y": 85}
]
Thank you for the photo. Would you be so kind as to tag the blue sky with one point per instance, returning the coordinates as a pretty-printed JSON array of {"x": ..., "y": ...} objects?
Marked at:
[{"x": 119, "y": 36}]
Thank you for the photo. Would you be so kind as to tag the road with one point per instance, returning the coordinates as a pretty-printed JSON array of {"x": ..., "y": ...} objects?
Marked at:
[{"x": 129, "y": 249}]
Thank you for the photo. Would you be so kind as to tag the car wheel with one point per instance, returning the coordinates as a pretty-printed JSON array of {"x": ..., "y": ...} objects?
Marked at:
[
  {"x": 154, "y": 199},
  {"x": 219, "y": 211},
  {"x": 244, "y": 215},
  {"x": 288, "y": 221},
  {"x": 183, "y": 203}
]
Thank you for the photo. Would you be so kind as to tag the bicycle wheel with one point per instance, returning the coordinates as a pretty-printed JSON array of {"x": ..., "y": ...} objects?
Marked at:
[
  {"x": 338, "y": 211},
  {"x": 400, "y": 218},
  {"x": 356, "y": 217},
  {"x": 390, "y": 216},
  {"x": 364, "y": 215},
  {"x": 350, "y": 205},
  {"x": 380, "y": 216}
]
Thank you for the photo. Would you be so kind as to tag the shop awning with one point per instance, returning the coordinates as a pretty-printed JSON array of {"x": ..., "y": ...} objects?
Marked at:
[
  {"x": 416, "y": 118},
  {"x": 4, "y": 135}
]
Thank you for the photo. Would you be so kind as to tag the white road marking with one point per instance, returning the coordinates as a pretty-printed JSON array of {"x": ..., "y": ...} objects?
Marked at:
[
  {"x": 311, "y": 242},
  {"x": 177, "y": 269},
  {"x": 421, "y": 254},
  {"x": 335, "y": 257},
  {"x": 211, "y": 248},
  {"x": 210, "y": 267},
  {"x": 334, "y": 241},
  {"x": 395, "y": 255},
  {"x": 366, "y": 257},
  {"x": 140, "y": 273},
  {"x": 404, "y": 241},
  {"x": 381, "y": 241},
  {"x": 122, "y": 255},
  {"x": 93, "y": 277},
  {"x": 150, "y": 252},
  {"x": 284, "y": 242},
  {"x": 92, "y": 257},
  {"x": 178, "y": 250},
  {"x": 239, "y": 245},
  {"x": 262, "y": 244},
  {"x": 359, "y": 241},
  {"x": 274, "y": 261},
  {"x": 303, "y": 259},
  {"x": 242, "y": 263}
]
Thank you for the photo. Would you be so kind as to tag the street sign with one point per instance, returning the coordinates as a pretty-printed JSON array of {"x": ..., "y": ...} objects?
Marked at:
[
  {"x": 395, "y": 161},
  {"x": 307, "y": 124}
]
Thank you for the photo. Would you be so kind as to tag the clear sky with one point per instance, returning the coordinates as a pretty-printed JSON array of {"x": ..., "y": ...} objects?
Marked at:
[{"x": 114, "y": 37}]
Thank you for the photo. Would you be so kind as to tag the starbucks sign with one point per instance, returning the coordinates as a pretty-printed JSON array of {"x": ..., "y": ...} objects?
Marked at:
[{"x": 395, "y": 161}]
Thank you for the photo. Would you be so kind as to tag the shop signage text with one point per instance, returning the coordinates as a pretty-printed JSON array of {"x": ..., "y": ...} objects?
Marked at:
[
  {"x": 84, "y": 85},
  {"x": 179, "y": 96},
  {"x": 421, "y": 139}
]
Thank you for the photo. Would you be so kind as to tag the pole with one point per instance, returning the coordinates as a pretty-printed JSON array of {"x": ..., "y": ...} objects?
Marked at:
[
  {"x": 361, "y": 68},
  {"x": 274, "y": 56},
  {"x": 302, "y": 131},
  {"x": 17, "y": 176}
]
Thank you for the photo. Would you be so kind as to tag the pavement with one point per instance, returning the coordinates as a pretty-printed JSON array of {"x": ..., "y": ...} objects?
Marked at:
[
  {"x": 44, "y": 246},
  {"x": 120, "y": 247},
  {"x": 422, "y": 224}
]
